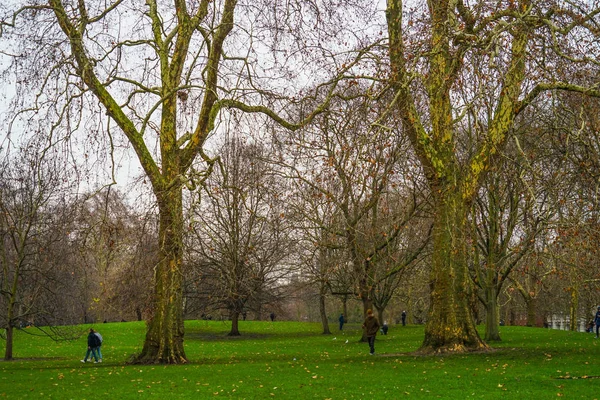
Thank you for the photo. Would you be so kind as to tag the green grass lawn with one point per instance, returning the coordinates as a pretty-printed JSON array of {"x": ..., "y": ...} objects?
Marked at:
[{"x": 294, "y": 361}]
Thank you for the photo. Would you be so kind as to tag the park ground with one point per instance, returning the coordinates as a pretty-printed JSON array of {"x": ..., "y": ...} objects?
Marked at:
[{"x": 291, "y": 360}]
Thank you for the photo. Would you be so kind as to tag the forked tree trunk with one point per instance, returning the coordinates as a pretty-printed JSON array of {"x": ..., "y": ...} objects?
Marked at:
[
  {"x": 450, "y": 326},
  {"x": 164, "y": 338}
]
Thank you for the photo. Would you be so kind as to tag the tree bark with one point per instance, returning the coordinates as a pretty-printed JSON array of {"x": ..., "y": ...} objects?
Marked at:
[
  {"x": 492, "y": 315},
  {"x": 8, "y": 352},
  {"x": 450, "y": 326},
  {"x": 531, "y": 311},
  {"x": 235, "y": 325},
  {"x": 323, "y": 312},
  {"x": 164, "y": 338}
]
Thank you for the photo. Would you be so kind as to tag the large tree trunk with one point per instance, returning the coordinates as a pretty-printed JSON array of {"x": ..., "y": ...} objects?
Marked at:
[
  {"x": 531, "y": 310},
  {"x": 164, "y": 338},
  {"x": 492, "y": 314},
  {"x": 450, "y": 326}
]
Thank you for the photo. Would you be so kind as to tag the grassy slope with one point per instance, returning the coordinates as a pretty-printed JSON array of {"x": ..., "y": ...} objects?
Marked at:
[{"x": 293, "y": 360}]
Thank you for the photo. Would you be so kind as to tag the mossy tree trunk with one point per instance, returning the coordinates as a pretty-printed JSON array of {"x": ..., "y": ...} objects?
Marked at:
[
  {"x": 450, "y": 326},
  {"x": 166, "y": 173},
  {"x": 453, "y": 179},
  {"x": 164, "y": 338},
  {"x": 492, "y": 315}
]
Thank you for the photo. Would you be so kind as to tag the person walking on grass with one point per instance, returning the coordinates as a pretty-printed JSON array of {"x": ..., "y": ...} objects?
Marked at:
[
  {"x": 371, "y": 326},
  {"x": 342, "y": 320},
  {"x": 93, "y": 342},
  {"x": 597, "y": 321},
  {"x": 99, "y": 346}
]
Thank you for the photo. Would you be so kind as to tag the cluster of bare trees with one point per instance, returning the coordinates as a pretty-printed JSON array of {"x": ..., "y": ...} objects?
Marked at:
[
  {"x": 455, "y": 136},
  {"x": 67, "y": 259}
]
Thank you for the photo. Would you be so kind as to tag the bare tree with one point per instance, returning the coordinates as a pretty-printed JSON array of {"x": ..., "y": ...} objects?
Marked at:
[
  {"x": 30, "y": 187},
  {"x": 449, "y": 60},
  {"x": 349, "y": 169},
  {"x": 162, "y": 72},
  {"x": 240, "y": 240}
]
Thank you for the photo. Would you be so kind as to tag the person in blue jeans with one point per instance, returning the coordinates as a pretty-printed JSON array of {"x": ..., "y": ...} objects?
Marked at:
[
  {"x": 597, "y": 322},
  {"x": 93, "y": 344},
  {"x": 99, "y": 346}
]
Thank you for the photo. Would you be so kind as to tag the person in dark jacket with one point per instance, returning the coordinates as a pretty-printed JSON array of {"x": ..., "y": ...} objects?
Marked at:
[
  {"x": 597, "y": 321},
  {"x": 342, "y": 320},
  {"x": 99, "y": 348},
  {"x": 93, "y": 343},
  {"x": 371, "y": 326}
]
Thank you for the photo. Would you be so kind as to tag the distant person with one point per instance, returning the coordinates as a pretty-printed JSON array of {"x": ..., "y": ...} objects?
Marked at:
[
  {"x": 597, "y": 322},
  {"x": 93, "y": 342},
  {"x": 99, "y": 346},
  {"x": 272, "y": 316},
  {"x": 371, "y": 326},
  {"x": 384, "y": 328},
  {"x": 403, "y": 318},
  {"x": 244, "y": 314},
  {"x": 342, "y": 321}
]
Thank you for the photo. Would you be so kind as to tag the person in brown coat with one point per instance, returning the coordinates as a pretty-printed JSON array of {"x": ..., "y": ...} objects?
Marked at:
[{"x": 371, "y": 326}]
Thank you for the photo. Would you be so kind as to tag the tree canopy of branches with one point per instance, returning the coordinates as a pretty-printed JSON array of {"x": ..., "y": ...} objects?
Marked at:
[
  {"x": 162, "y": 71},
  {"x": 239, "y": 238},
  {"x": 449, "y": 59}
]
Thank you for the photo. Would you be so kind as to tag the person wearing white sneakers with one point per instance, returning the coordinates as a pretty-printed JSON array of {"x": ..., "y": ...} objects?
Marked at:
[{"x": 93, "y": 343}]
